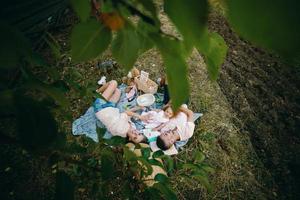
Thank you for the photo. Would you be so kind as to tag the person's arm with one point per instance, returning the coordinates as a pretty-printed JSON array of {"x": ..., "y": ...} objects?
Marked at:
[
  {"x": 137, "y": 116},
  {"x": 136, "y": 108},
  {"x": 158, "y": 128},
  {"x": 188, "y": 113},
  {"x": 132, "y": 114}
]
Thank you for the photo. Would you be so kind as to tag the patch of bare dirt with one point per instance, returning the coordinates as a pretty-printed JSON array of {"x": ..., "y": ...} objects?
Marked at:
[{"x": 264, "y": 94}]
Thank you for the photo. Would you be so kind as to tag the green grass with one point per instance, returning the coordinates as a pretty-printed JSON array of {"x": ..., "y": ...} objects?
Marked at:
[{"x": 238, "y": 172}]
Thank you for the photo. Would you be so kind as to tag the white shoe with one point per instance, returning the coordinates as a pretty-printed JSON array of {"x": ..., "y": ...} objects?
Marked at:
[{"x": 102, "y": 81}]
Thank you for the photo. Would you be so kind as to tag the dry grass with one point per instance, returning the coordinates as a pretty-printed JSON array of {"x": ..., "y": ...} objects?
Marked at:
[{"x": 227, "y": 149}]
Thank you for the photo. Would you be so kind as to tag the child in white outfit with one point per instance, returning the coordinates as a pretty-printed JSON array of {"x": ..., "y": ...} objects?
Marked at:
[{"x": 156, "y": 118}]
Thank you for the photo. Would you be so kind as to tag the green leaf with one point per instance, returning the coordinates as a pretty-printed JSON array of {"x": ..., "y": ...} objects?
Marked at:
[
  {"x": 75, "y": 74},
  {"x": 208, "y": 168},
  {"x": 75, "y": 148},
  {"x": 152, "y": 192},
  {"x": 129, "y": 155},
  {"x": 158, "y": 154},
  {"x": 61, "y": 85},
  {"x": 162, "y": 178},
  {"x": 146, "y": 164},
  {"x": 146, "y": 152},
  {"x": 169, "y": 163},
  {"x": 149, "y": 6},
  {"x": 73, "y": 84},
  {"x": 125, "y": 47},
  {"x": 190, "y": 166},
  {"x": 199, "y": 157},
  {"x": 145, "y": 28},
  {"x": 36, "y": 126},
  {"x": 145, "y": 43},
  {"x": 107, "y": 7},
  {"x": 53, "y": 73},
  {"x": 100, "y": 132},
  {"x": 54, "y": 46},
  {"x": 57, "y": 94},
  {"x": 116, "y": 141},
  {"x": 60, "y": 141},
  {"x": 144, "y": 40},
  {"x": 14, "y": 46},
  {"x": 204, "y": 181},
  {"x": 270, "y": 24},
  {"x": 137, "y": 146},
  {"x": 166, "y": 192},
  {"x": 37, "y": 60},
  {"x": 189, "y": 16},
  {"x": 7, "y": 106},
  {"x": 156, "y": 162},
  {"x": 82, "y": 8},
  {"x": 176, "y": 68},
  {"x": 88, "y": 142},
  {"x": 89, "y": 40},
  {"x": 64, "y": 187},
  {"x": 127, "y": 192},
  {"x": 214, "y": 50},
  {"x": 107, "y": 165}
]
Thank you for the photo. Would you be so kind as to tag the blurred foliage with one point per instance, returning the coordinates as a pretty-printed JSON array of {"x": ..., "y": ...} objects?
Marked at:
[
  {"x": 88, "y": 40},
  {"x": 131, "y": 27},
  {"x": 130, "y": 39},
  {"x": 270, "y": 24}
]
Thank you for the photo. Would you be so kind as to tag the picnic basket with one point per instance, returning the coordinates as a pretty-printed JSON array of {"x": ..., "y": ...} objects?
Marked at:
[{"x": 148, "y": 86}]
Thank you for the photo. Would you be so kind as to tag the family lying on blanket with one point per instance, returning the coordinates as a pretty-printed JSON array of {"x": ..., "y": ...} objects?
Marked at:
[
  {"x": 161, "y": 128},
  {"x": 168, "y": 126}
]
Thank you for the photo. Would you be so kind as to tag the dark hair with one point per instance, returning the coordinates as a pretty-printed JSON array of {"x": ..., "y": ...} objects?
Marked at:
[
  {"x": 127, "y": 140},
  {"x": 161, "y": 144},
  {"x": 165, "y": 107}
]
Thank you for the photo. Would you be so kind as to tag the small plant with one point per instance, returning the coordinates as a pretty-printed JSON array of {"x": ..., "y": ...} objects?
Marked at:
[
  {"x": 28, "y": 102},
  {"x": 117, "y": 170}
]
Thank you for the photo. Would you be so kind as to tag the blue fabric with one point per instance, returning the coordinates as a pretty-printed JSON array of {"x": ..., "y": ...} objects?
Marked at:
[
  {"x": 99, "y": 104},
  {"x": 153, "y": 139},
  {"x": 87, "y": 124},
  {"x": 180, "y": 144},
  {"x": 124, "y": 104},
  {"x": 138, "y": 124}
]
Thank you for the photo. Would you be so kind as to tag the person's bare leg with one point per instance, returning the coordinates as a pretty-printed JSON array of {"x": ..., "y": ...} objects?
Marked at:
[
  {"x": 103, "y": 87},
  {"x": 110, "y": 89},
  {"x": 116, "y": 96}
]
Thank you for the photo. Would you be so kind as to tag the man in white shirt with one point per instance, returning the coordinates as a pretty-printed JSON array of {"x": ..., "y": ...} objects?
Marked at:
[{"x": 179, "y": 128}]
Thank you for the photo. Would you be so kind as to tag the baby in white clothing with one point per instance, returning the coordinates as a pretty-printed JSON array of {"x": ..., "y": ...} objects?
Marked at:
[{"x": 157, "y": 117}]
